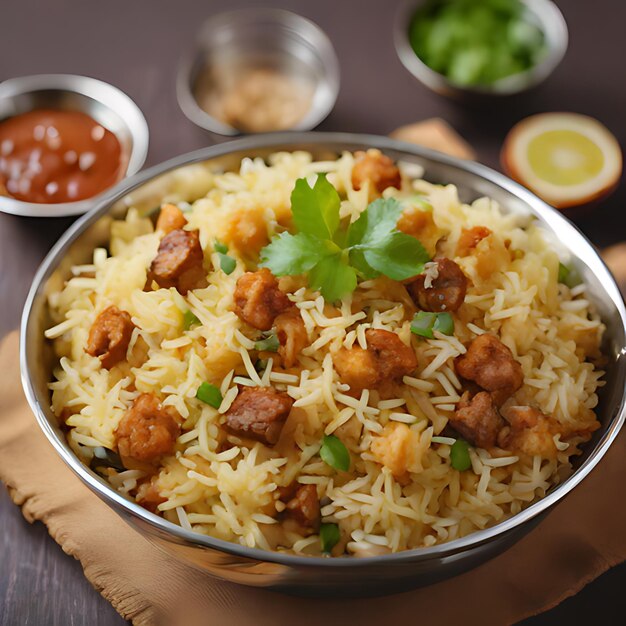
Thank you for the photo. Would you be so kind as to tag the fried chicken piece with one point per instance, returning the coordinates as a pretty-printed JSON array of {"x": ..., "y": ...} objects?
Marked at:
[
  {"x": 377, "y": 168},
  {"x": 477, "y": 420},
  {"x": 259, "y": 413},
  {"x": 529, "y": 431},
  {"x": 258, "y": 299},
  {"x": 490, "y": 364},
  {"x": 292, "y": 336},
  {"x": 178, "y": 262},
  {"x": 386, "y": 359},
  {"x": 445, "y": 292},
  {"x": 148, "y": 431},
  {"x": 470, "y": 238},
  {"x": 421, "y": 225},
  {"x": 170, "y": 218},
  {"x": 109, "y": 336},
  {"x": 247, "y": 231}
]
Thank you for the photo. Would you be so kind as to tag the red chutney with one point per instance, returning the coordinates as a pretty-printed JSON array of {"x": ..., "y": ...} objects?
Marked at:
[{"x": 51, "y": 156}]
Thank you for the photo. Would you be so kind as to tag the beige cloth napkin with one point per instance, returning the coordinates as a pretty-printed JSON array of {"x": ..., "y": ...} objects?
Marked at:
[{"x": 580, "y": 539}]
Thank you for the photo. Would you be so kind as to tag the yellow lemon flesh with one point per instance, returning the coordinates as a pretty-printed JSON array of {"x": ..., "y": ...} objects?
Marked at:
[{"x": 565, "y": 158}]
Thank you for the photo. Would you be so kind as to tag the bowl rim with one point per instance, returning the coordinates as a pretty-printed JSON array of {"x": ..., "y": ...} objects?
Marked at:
[
  {"x": 288, "y": 140},
  {"x": 106, "y": 94},
  {"x": 295, "y": 22},
  {"x": 547, "y": 12}
]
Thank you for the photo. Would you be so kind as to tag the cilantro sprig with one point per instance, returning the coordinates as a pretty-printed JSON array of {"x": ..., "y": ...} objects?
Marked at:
[{"x": 335, "y": 256}]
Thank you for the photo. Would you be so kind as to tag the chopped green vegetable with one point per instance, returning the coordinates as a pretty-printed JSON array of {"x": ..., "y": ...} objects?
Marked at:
[
  {"x": 329, "y": 537},
  {"x": 220, "y": 247},
  {"x": 190, "y": 319},
  {"x": 209, "y": 394},
  {"x": 333, "y": 256},
  {"x": 269, "y": 344},
  {"x": 334, "y": 453},
  {"x": 569, "y": 276},
  {"x": 476, "y": 43},
  {"x": 459, "y": 455},
  {"x": 424, "y": 324},
  {"x": 103, "y": 457},
  {"x": 227, "y": 263},
  {"x": 260, "y": 366}
]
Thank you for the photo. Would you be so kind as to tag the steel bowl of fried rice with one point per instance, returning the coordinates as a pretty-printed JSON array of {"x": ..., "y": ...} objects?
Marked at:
[{"x": 326, "y": 363}]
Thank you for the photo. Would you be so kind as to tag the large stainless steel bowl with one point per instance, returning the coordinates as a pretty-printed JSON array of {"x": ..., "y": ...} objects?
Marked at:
[{"x": 322, "y": 575}]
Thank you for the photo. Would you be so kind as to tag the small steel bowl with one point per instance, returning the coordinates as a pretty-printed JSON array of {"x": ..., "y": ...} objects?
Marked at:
[
  {"x": 544, "y": 13},
  {"x": 372, "y": 575},
  {"x": 251, "y": 38},
  {"x": 106, "y": 104}
]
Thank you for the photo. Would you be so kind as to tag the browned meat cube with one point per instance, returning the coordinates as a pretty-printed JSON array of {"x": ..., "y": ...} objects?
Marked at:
[
  {"x": 178, "y": 262},
  {"x": 445, "y": 292},
  {"x": 304, "y": 507},
  {"x": 109, "y": 336},
  {"x": 259, "y": 413},
  {"x": 258, "y": 299},
  {"x": 477, "y": 420},
  {"x": 490, "y": 364},
  {"x": 148, "y": 431}
]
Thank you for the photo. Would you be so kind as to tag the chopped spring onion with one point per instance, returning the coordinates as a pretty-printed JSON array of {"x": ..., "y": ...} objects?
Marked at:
[
  {"x": 190, "y": 319},
  {"x": 329, "y": 537},
  {"x": 569, "y": 276},
  {"x": 209, "y": 394},
  {"x": 334, "y": 453},
  {"x": 269, "y": 344},
  {"x": 261, "y": 365},
  {"x": 227, "y": 263},
  {"x": 459, "y": 455},
  {"x": 424, "y": 324}
]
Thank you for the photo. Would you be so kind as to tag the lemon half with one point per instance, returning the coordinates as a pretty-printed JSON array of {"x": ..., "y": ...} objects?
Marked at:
[{"x": 566, "y": 158}]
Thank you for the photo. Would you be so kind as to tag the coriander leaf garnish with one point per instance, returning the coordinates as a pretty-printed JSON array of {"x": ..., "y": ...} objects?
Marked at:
[
  {"x": 290, "y": 255},
  {"x": 334, "y": 256},
  {"x": 333, "y": 277},
  {"x": 315, "y": 209}
]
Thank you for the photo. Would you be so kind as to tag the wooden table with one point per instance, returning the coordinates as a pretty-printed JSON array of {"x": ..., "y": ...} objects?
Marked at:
[{"x": 135, "y": 45}]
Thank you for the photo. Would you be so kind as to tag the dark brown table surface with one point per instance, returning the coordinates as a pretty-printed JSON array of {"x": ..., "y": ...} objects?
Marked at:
[{"x": 135, "y": 44}]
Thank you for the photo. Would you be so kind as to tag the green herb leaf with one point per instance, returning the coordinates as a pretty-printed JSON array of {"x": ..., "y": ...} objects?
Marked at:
[
  {"x": 376, "y": 243},
  {"x": 398, "y": 256},
  {"x": 334, "y": 453},
  {"x": 209, "y": 394},
  {"x": 315, "y": 210},
  {"x": 291, "y": 255},
  {"x": 569, "y": 276},
  {"x": 459, "y": 455},
  {"x": 333, "y": 277},
  {"x": 425, "y": 323},
  {"x": 329, "y": 537},
  {"x": 190, "y": 319},
  {"x": 269, "y": 344}
]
